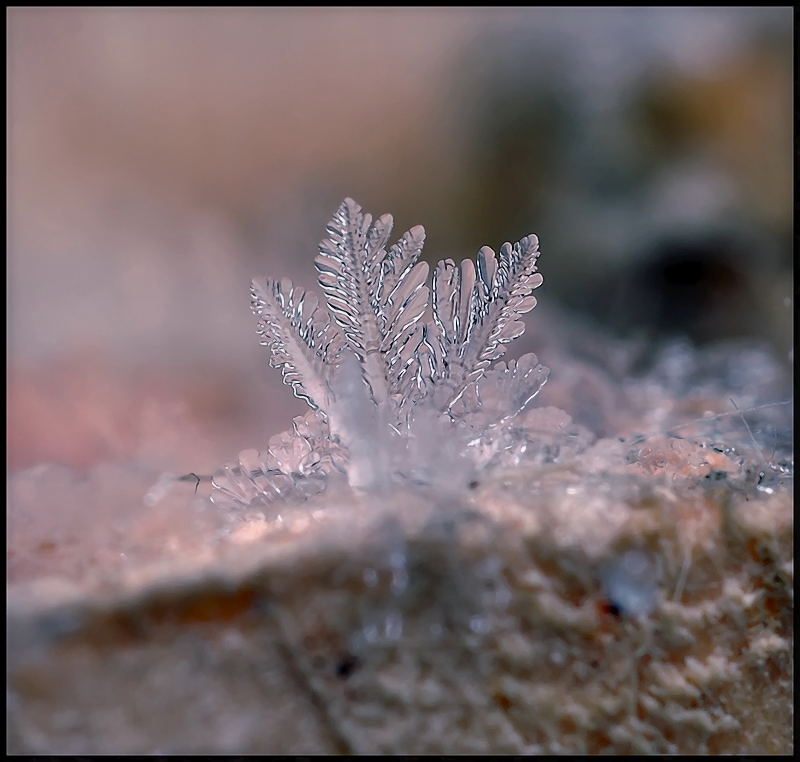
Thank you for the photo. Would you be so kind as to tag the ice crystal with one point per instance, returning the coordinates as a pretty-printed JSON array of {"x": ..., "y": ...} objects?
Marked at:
[{"x": 404, "y": 381}]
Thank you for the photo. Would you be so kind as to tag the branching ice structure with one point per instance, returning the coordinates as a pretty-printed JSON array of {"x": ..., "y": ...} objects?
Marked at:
[{"x": 402, "y": 379}]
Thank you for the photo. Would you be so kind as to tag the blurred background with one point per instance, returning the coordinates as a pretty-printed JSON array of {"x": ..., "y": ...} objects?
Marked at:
[{"x": 158, "y": 159}]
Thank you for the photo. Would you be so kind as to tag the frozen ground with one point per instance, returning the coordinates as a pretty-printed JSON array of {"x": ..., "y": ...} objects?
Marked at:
[{"x": 634, "y": 557}]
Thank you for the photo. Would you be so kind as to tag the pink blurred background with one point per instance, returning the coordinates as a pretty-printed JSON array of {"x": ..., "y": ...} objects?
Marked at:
[{"x": 159, "y": 159}]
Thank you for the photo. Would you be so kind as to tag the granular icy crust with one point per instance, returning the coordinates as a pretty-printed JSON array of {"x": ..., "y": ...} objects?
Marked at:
[{"x": 560, "y": 608}]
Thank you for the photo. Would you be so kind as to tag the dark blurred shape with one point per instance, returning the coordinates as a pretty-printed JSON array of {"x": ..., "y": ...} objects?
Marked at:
[
  {"x": 644, "y": 147},
  {"x": 687, "y": 287}
]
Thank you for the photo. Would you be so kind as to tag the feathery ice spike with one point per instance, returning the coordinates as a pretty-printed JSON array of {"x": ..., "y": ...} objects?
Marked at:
[{"x": 424, "y": 356}]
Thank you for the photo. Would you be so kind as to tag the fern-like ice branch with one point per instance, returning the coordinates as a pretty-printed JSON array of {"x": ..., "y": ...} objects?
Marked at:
[
  {"x": 377, "y": 297},
  {"x": 504, "y": 391},
  {"x": 475, "y": 311},
  {"x": 302, "y": 342}
]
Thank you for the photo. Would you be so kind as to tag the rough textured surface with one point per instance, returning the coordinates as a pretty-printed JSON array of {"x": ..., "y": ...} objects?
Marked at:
[{"x": 424, "y": 625}]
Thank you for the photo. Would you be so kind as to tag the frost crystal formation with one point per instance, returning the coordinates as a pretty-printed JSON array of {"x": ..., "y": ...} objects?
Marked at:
[{"x": 404, "y": 379}]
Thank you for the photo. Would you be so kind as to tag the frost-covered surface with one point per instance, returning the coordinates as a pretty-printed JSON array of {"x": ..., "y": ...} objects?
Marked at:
[
  {"x": 626, "y": 593},
  {"x": 89, "y": 525},
  {"x": 580, "y": 605}
]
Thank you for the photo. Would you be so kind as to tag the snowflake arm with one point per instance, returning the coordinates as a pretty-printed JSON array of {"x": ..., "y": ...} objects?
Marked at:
[
  {"x": 303, "y": 344},
  {"x": 375, "y": 296},
  {"x": 475, "y": 312}
]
